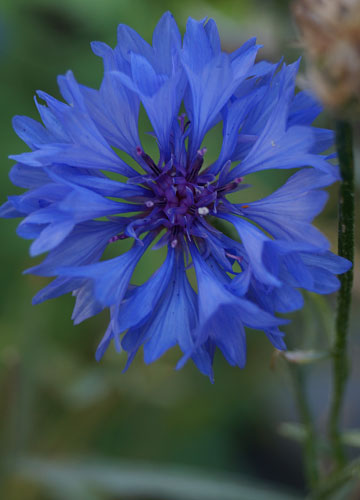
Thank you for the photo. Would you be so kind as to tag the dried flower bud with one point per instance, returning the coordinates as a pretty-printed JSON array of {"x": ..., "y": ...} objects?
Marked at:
[{"x": 330, "y": 33}]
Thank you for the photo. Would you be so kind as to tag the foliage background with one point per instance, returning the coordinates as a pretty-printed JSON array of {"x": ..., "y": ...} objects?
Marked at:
[{"x": 72, "y": 428}]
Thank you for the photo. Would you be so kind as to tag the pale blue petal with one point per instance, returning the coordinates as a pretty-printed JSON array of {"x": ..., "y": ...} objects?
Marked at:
[{"x": 86, "y": 305}]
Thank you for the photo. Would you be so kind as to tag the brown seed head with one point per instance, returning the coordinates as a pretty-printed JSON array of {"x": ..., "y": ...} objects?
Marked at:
[{"x": 330, "y": 34}]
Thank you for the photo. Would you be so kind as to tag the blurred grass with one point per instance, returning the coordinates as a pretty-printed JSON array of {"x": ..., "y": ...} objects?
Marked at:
[{"x": 56, "y": 401}]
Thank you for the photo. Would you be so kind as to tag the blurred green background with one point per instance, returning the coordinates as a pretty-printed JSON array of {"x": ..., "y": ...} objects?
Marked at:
[{"x": 71, "y": 428}]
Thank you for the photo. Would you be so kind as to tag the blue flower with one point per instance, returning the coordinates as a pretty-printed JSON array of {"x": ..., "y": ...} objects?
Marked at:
[{"x": 73, "y": 209}]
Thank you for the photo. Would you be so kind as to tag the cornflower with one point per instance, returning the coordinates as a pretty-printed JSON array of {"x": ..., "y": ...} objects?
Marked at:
[{"x": 74, "y": 208}]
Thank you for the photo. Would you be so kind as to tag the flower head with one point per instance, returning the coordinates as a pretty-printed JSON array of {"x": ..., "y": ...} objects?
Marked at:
[
  {"x": 331, "y": 35},
  {"x": 74, "y": 209}
]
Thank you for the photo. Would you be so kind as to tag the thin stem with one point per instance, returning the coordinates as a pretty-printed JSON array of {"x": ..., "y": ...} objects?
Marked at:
[
  {"x": 344, "y": 142},
  {"x": 332, "y": 484},
  {"x": 310, "y": 445}
]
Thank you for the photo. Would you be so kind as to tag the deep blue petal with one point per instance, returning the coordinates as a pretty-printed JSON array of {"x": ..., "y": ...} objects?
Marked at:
[
  {"x": 213, "y": 78},
  {"x": 111, "y": 277},
  {"x": 175, "y": 319},
  {"x": 143, "y": 301},
  {"x": 84, "y": 244},
  {"x": 216, "y": 300}
]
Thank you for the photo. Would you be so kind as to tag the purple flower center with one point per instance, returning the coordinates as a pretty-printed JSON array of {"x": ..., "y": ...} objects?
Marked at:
[{"x": 182, "y": 195}]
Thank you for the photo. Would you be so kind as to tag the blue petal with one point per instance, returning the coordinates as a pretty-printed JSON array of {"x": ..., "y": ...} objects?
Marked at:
[
  {"x": 276, "y": 338},
  {"x": 323, "y": 139},
  {"x": 253, "y": 240},
  {"x": 213, "y": 78},
  {"x": 74, "y": 155},
  {"x": 203, "y": 358},
  {"x": 323, "y": 281},
  {"x": 31, "y": 131},
  {"x": 85, "y": 305},
  {"x": 80, "y": 128},
  {"x": 213, "y": 36},
  {"x": 328, "y": 260},
  {"x": 295, "y": 273},
  {"x": 28, "y": 177},
  {"x": 29, "y": 231},
  {"x": 160, "y": 93},
  {"x": 56, "y": 288},
  {"x": 114, "y": 108},
  {"x": 51, "y": 236},
  {"x": 104, "y": 343},
  {"x": 172, "y": 322},
  {"x": 175, "y": 318},
  {"x": 318, "y": 271},
  {"x": 278, "y": 145},
  {"x": 111, "y": 277},
  {"x": 129, "y": 41},
  {"x": 99, "y": 184},
  {"x": 166, "y": 39},
  {"x": 288, "y": 212},
  {"x": 297, "y": 204},
  {"x": 81, "y": 204},
  {"x": 221, "y": 311},
  {"x": 52, "y": 123},
  {"x": 115, "y": 111},
  {"x": 39, "y": 197},
  {"x": 287, "y": 299},
  {"x": 84, "y": 244},
  {"x": 234, "y": 116},
  {"x": 291, "y": 149},
  {"x": 8, "y": 211},
  {"x": 142, "y": 302},
  {"x": 304, "y": 109},
  {"x": 78, "y": 206}
]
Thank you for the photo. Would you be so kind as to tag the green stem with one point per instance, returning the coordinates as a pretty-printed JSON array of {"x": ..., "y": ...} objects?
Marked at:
[
  {"x": 331, "y": 485},
  {"x": 344, "y": 143},
  {"x": 310, "y": 444}
]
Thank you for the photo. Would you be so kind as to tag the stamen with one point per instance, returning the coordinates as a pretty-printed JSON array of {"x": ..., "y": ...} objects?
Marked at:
[
  {"x": 236, "y": 257},
  {"x": 203, "y": 211},
  {"x": 174, "y": 243},
  {"x": 231, "y": 186},
  {"x": 149, "y": 204},
  {"x": 181, "y": 119},
  {"x": 197, "y": 163},
  {"x": 121, "y": 236},
  {"x": 148, "y": 160},
  {"x": 202, "y": 151}
]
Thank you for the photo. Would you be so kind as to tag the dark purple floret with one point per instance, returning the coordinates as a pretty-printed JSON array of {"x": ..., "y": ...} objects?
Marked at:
[{"x": 181, "y": 195}]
